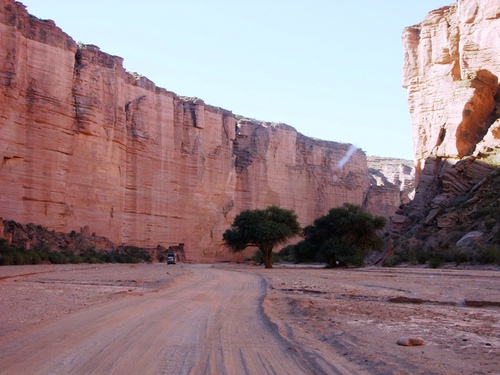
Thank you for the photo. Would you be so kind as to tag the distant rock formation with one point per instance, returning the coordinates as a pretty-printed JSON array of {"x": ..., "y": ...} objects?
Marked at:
[
  {"x": 391, "y": 184},
  {"x": 85, "y": 143}
]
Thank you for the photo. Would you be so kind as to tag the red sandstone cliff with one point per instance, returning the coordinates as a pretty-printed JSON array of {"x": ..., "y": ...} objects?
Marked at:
[
  {"x": 85, "y": 143},
  {"x": 451, "y": 69}
]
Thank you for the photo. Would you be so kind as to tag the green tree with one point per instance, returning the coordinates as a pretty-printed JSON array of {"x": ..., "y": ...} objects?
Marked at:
[
  {"x": 343, "y": 236},
  {"x": 262, "y": 228}
]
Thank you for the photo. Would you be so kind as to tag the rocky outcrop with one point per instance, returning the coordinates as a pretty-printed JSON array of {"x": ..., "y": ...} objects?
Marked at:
[
  {"x": 74, "y": 247},
  {"x": 451, "y": 70},
  {"x": 85, "y": 143},
  {"x": 391, "y": 184},
  {"x": 451, "y": 73}
]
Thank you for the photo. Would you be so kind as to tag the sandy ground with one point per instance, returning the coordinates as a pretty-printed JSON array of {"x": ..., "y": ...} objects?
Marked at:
[
  {"x": 362, "y": 313},
  {"x": 236, "y": 319}
]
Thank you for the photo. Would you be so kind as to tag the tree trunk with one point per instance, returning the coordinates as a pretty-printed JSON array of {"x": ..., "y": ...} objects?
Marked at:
[
  {"x": 332, "y": 262},
  {"x": 268, "y": 258}
]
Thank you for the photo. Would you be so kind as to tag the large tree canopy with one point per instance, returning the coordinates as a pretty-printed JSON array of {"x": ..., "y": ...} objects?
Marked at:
[
  {"x": 262, "y": 228},
  {"x": 345, "y": 235}
]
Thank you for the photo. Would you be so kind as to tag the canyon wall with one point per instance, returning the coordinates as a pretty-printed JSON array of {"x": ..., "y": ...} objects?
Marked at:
[
  {"x": 451, "y": 69},
  {"x": 84, "y": 143}
]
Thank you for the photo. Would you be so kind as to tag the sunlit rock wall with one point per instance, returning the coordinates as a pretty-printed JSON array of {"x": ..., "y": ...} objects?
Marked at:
[
  {"x": 451, "y": 69},
  {"x": 391, "y": 184},
  {"x": 85, "y": 143}
]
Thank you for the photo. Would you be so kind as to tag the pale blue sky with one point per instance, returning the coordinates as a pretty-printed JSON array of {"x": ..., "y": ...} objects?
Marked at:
[{"x": 329, "y": 68}]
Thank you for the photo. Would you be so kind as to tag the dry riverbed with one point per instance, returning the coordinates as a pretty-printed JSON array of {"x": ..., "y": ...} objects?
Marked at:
[
  {"x": 362, "y": 313},
  {"x": 312, "y": 320}
]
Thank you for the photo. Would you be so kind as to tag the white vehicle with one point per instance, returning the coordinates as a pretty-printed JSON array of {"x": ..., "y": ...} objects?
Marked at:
[{"x": 170, "y": 258}]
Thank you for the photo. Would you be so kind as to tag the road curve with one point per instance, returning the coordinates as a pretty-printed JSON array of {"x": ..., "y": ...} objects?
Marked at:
[{"x": 208, "y": 321}]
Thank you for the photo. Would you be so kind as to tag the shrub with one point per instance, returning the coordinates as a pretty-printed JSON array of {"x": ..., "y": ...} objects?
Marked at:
[
  {"x": 9, "y": 255},
  {"x": 284, "y": 255},
  {"x": 6, "y": 259},
  {"x": 423, "y": 256},
  {"x": 303, "y": 252},
  {"x": 488, "y": 255},
  {"x": 489, "y": 223},
  {"x": 57, "y": 258},
  {"x": 344, "y": 236},
  {"x": 488, "y": 211},
  {"x": 435, "y": 262},
  {"x": 258, "y": 257},
  {"x": 392, "y": 261},
  {"x": 4, "y": 245},
  {"x": 458, "y": 256},
  {"x": 495, "y": 182}
]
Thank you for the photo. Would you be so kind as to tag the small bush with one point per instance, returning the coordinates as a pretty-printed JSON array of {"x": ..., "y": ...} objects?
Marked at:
[
  {"x": 488, "y": 211},
  {"x": 409, "y": 252},
  {"x": 495, "y": 182},
  {"x": 304, "y": 252},
  {"x": 435, "y": 262},
  {"x": 58, "y": 258},
  {"x": 10, "y": 255},
  {"x": 459, "y": 256},
  {"x": 284, "y": 255},
  {"x": 423, "y": 256},
  {"x": 489, "y": 223},
  {"x": 4, "y": 245},
  {"x": 488, "y": 255},
  {"x": 257, "y": 257},
  {"x": 392, "y": 261}
]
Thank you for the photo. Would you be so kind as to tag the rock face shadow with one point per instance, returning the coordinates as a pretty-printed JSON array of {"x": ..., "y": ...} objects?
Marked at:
[{"x": 479, "y": 113}]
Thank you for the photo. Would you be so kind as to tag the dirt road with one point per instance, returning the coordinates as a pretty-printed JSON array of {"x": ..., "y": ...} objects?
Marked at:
[{"x": 207, "y": 321}]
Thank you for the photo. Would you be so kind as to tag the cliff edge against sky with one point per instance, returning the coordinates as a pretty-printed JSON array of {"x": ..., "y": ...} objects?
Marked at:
[
  {"x": 85, "y": 143},
  {"x": 451, "y": 70}
]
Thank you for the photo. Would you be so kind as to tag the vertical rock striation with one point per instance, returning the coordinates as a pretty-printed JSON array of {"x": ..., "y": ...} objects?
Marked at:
[
  {"x": 451, "y": 72},
  {"x": 85, "y": 143},
  {"x": 451, "y": 69}
]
